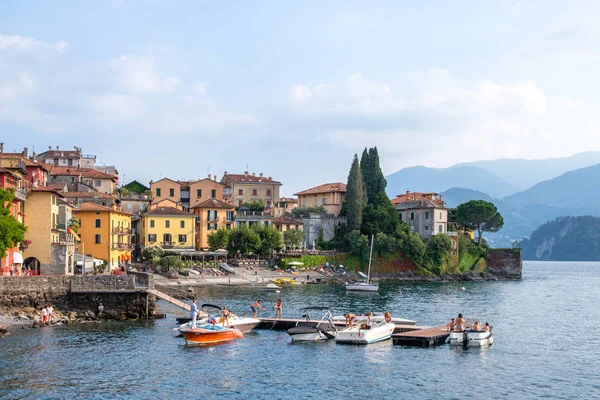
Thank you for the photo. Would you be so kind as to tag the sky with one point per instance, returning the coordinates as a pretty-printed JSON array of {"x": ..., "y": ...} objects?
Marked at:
[{"x": 293, "y": 89}]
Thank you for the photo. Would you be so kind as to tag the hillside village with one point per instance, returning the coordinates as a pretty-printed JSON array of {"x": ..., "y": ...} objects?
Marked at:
[{"x": 78, "y": 212}]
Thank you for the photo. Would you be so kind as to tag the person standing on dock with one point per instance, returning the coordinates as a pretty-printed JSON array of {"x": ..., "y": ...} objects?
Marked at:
[
  {"x": 194, "y": 311},
  {"x": 255, "y": 307},
  {"x": 278, "y": 309}
]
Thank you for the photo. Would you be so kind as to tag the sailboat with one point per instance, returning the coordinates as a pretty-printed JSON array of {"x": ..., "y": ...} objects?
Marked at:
[{"x": 365, "y": 286}]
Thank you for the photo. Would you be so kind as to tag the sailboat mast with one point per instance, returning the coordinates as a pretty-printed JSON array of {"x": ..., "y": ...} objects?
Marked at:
[{"x": 370, "y": 259}]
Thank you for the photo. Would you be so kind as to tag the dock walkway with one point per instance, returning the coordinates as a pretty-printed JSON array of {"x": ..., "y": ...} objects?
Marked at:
[
  {"x": 422, "y": 337},
  {"x": 170, "y": 299},
  {"x": 282, "y": 324}
]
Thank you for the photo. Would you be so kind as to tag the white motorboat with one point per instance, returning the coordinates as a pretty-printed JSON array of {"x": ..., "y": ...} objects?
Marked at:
[
  {"x": 471, "y": 338},
  {"x": 367, "y": 285},
  {"x": 314, "y": 330},
  {"x": 243, "y": 324},
  {"x": 377, "y": 317},
  {"x": 361, "y": 334}
]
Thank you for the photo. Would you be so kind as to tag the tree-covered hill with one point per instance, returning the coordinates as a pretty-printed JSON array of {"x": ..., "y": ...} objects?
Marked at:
[{"x": 564, "y": 239}]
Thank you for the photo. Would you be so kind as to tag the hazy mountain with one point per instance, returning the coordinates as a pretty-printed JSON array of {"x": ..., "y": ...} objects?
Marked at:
[
  {"x": 526, "y": 173},
  {"x": 564, "y": 239},
  {"x": 424, "y": 179}
]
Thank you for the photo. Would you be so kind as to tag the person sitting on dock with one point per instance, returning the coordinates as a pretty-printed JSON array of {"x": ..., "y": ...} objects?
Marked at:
[
  {"x": 460, "y": 324},
  {"x": 255, "y": 307},
  {"x": 194, "y": 312},
  {"x": 476, "y": 326},
  {"x": 388, "y": 317},
  {"x": 349, "y": 319},
  {"x": 278, "y": 309},
  {"x": 450, "y": 326}
]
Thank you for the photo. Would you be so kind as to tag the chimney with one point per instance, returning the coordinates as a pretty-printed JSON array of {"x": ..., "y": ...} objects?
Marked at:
[
  {"x": 56, "y": 148},
  {"x": 253, "y": 174},
  {"x": 25, "y": 152},
  {"x": 34, "y": 157},
  {"x": 407, "y": 191},
  {"x": 215, "y": 177},
  {"x": 1, "y": 147},
  {"x": 245, "y": 174},
  {"x": 225, "y": 173},
  {"x": 209, "y": 175}
]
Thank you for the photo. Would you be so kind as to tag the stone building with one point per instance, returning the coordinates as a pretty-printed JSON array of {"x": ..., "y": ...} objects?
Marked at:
[{"x": 426, "y": 213}]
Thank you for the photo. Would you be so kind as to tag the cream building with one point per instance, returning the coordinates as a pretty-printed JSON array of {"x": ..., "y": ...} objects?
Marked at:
[
  {"x": 186, "y": 193},
  {"x": 250, "y": 187},
  {"x": 330, "y": 196}
]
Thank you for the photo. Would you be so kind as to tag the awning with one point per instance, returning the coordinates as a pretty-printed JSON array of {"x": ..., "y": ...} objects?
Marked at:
[
  {"x": 75, "y": 235},
  {"x": 17, "y": 258}
]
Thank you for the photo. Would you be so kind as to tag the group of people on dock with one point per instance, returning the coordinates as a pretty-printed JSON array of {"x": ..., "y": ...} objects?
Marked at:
[{"x": 460, "y": 324}]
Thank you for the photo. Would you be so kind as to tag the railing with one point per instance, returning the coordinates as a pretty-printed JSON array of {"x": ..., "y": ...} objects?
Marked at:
[
  {"x": 167, "y": 245},
  {"x": 122, "y": 246},
  {"x": 121, "y": 231},
  {"x": 63, "y": 239},
  {"x": 21, "y": 194},
  {"x": 213, "y": 219}
]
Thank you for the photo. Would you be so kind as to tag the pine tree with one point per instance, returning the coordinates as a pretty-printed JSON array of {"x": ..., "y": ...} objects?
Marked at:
[{"x": 354, "y": 196}]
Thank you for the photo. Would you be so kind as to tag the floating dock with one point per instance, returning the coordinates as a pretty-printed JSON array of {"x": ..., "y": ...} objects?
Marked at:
[
  {"x": 426, "y": 337},
  {"x": 283, "y": 324}
]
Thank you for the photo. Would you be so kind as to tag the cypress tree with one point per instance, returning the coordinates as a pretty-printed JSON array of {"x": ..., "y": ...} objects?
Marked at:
[
  {"x": 354, "y": 196},
  {"x": 375, "y": 182}
]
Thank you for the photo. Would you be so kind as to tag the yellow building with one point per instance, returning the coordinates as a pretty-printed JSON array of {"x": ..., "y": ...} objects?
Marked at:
[
  {"x": 186, "y": 193},
  {"x": 51, "y": 248},
  {"x": 212, "y": 214},
  {"x": 168, "y": 227},
  {"x": 247, "y": 187},
  {"x": 105, "y": 233},
  {"x": 330, "y": 196}
]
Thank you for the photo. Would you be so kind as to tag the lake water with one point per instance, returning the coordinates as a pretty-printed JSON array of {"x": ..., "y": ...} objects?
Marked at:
[{"x": 546, "y": 331}]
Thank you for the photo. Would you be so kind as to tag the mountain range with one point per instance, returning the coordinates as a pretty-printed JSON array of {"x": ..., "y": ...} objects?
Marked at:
[{"x": 573, "y": 192}]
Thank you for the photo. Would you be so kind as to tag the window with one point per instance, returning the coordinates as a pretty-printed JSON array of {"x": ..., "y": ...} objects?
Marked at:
[
  {"x": 151, "y": 223},
  {"x": 268, "y": 192},
  {"x": 440, "y": 215},
  {"x": 157, "y": 192},
  {"x": 172, "y": 192},
  {"x": 324, "y": 201},
  {"x": 400, "y": 215},
  {"x": 229, "y": 215},
  {"x": 167, "y": 239},
  {"x": 426, "y": 227},
  {"x": 182, "y": 224},
  {"x": 98, "y": 238},
  {"x": 98, "y": 223},
  {"x": 213, "y": 193},
  {"x": 72, "y": 179},
  {"x": 240, "y": 203},
  {"x": 212, "y": 227},
  {"x": 199, "y": 193},
  {"x": 241, "y": 192},
  {"x": 97, "y": 183},
  {"x": 212, "y": 215},
  {"x": 167, "y": 224},
  {"x": 268, "y": 203},
  {"x": 426, "y": 214},
  {"x": 412, "y": 216},
  {"x": 152, "y": 238},
  {"x": 266, "y": 223},
  {"x": 70, "y": 162},
  {"x": 227, "y": 226},
  {"x": 182, "y": 238},
  {"x": 254, "y": 192},
  {"x": 441, "y": 229},
  {"x": 315, "y": 201}
]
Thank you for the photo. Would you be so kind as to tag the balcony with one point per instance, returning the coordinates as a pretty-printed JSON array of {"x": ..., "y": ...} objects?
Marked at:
[
  {"x": 167, "y": 245},
  {"x": 122, "y": 231},
  {"x": 63, "y": 239},
  {"x": 21, "y": 194},
  {"x": 122, "y": 246},
  {"x": 213, "y": 219}
]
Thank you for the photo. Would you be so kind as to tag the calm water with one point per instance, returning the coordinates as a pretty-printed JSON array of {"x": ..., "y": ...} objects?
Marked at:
[{"x": 546, "y": 329}]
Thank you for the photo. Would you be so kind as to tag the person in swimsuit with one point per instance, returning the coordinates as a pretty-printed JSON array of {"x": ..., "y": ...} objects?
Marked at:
[
  {"x": 388, "y": 317},
  {"x": 226, "y": 314},
  {"x": 278, "y": 309},
  {"x": 450, "y": 326},
  {"x": 487, "y": 327},
  {"x": 460, "y": 323},
  {"x": 476, "y": 326},
  {"x": 255, "y": 307},
  {"x": 349, "y": 319}
]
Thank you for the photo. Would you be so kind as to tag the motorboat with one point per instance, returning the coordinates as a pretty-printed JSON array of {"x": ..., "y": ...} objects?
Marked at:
[
  {"x": 269, "y": 287},
  {"x": 471, "y": 338},
  {"x": 286, "y": 281},
  {"x": 377, "y": 317},
  {"x": 314, "y": 330},
  {"x": 210, "y": 334},
  {"x": 244, "y": 324},
  {"x": 367, "y": 285},
  {"x": 363, "y": 334}
]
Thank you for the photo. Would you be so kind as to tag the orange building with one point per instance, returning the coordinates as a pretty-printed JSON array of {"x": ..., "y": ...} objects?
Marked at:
[
  {"x": 211, "y": 215},
  {"x": 330, "y": 196}
]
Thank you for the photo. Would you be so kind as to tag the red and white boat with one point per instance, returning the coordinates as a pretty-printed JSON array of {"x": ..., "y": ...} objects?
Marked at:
[{"x": 210, "y": 334}]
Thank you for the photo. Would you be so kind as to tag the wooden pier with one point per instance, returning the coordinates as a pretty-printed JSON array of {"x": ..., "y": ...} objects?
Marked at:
[
  {"x": 283, "y": 324},
  {"x": 426, "y": 337}
]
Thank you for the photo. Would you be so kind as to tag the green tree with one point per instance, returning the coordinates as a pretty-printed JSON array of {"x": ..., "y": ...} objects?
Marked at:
[
  {"x": 437, "y": 251},
  {"x": 255, "y": 205},
  {"x": 75, "y": 224},
  {"x": 410, "y": 244},
  {"x": 354, "y": 196},
  {"x": 358, "y": 244},
  {"x": 374, "y": 179},
  {"x": 299, "y": 211},
  {"x": 218, "y": 239},
  {"x": 270, "y": 239},
  {"x": 479, "y": 215},
  {"x": 381, "y": 216},
  {"x": 292, "y": 238},
  {"x": 11, "y": 230},
  {"x": 152, "y": 254},
  {"x": 243, "y": 240}
]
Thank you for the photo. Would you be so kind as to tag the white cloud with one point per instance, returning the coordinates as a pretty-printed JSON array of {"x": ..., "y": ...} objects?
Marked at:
[
  {"x": 16, "y": 42},
  {"x": 27, "y": 81},
  {"x": 300, "y": 93}
]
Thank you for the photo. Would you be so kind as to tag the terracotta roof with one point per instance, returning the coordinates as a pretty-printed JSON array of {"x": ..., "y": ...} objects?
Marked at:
[
  {"x": 168, "y": 211},
  {"x": 418, "y": 204},
  {"x": 5, "y": 171},
  {"x": 57, "y": 185},
  {"x": 64, "y": 171},
  {"x": 40, "y": 188},
  {"x": 89, "y": 195},
  {"x": 324, "y": 188},
  {"x": 214, "y": 203},
  {"x": 96, "y": 207},
  {"x": 286, "y": 221},
  {"x": 418, "y": 196},
  {"x": 60, "y": 154},
  {"x": 95, "y": 174},
  {"x": 249, "y": 178},
  {"x": 287, "y": 200},
  {"x": 27, "y": 161}
]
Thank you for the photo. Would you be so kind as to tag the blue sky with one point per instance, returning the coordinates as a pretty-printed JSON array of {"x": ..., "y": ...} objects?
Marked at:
[{"x": 294, "y": 89}]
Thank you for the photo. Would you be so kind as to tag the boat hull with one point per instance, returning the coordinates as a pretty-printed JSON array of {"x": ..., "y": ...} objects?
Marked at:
[
  {"x": 362, "y": 288},
  {"x": 312, "y": 332},
  {"x": 377, "y": 318},
  {"x": 200, "y": 336},
  {"x": 356, "y": 335},
  {"x": 244, "y": 325},
  {"x": 471, "y": 338}
]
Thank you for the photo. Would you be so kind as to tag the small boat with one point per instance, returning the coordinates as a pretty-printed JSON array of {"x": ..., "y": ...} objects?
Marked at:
[
  {"x": 377, "y": 317},
  {"x": 314, "y": 331},
  {"x": 471, "y": 338},
  {"x": 367, "y": 285},
  {"x": 361, "y": 334},
  {"x": 210, "y": 334},
  {"x": 269, "y": 287},
  {"x": 243, "y": 324}
]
